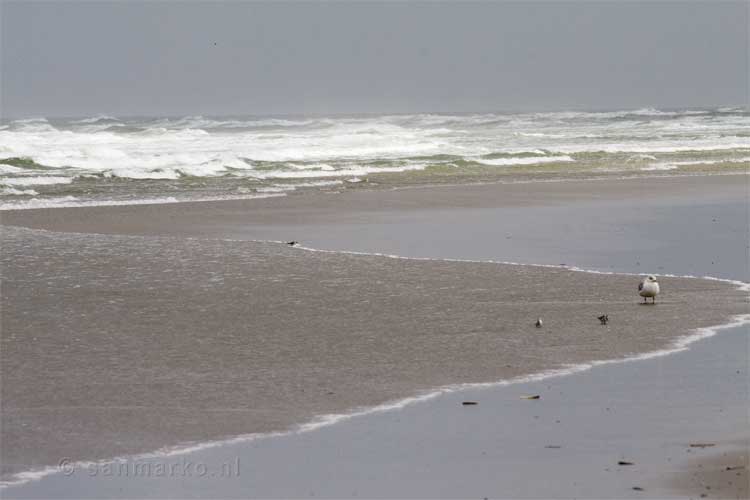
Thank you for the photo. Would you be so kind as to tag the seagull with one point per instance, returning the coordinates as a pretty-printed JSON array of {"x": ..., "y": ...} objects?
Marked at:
[
  {"x": 538, "y": 323},
  {"x": 604, "y": 318},
  {"x": 649, "y": 287}
]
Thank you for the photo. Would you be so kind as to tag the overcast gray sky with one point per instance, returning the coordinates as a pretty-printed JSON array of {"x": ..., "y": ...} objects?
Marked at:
[{"x": 152, "y": 58}]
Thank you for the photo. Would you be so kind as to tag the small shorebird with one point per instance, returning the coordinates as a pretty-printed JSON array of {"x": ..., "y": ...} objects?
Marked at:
[
  {"x": 538, "y": 322},
  {"x": 292, "y": 243},
  {"x": 649, "y": 287},
  {"x": 604, "y": 319}
]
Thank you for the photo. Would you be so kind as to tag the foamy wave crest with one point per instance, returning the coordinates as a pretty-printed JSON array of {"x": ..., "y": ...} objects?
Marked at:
[
  {"x": 344, "y": 172},
  {"x": 541, "y": 134},
  {"x": 31, "y": 125},
  {"x": 52, "y": 202},
  {"x": 166, "y": 173},
  {"x": 17, "y": 192},
  {"x": 723, "y": 144},
  {"x": 640, "y": 157},
  {"x": 35, "y": 181},
  {"x": 170, "y": 152},
  {"x": 282, "y": 188},
  {"x": 96, "y": 119},
  {"x": 9, "y": 169},
  {"x": 677, "y": 164},
  {"x": 72, "y": 201},
  {"x": 529, "y": 160},
  {"x": 318, "y": 184},
  {"x": 659, "y": 166},
  {"x": 312, "y": 166}
]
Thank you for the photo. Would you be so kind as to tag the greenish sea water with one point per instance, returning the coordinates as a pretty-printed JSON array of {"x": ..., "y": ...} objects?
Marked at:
[{"x": 110, "y": 160}]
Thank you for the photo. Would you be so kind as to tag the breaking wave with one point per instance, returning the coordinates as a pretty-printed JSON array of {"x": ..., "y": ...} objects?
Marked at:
[{"x": 173, "y": 153}]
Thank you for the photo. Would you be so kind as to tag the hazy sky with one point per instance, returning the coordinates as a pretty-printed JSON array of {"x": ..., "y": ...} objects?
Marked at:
[{"x": 151, "y": 58}]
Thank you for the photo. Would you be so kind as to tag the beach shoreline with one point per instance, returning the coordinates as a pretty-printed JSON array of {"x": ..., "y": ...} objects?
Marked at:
[
  {"x": 181, "y": 228},
  {"x": 216, "y": 218}
]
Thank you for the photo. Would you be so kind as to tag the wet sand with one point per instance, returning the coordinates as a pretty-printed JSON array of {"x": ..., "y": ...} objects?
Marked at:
[
  {"x": 721, "y": 474},
  {"x": 257, "y": 218},
  {"x": 564, "y": 445},
  {"x": 637, "y": 225},
  {"x": 214, "y": 338}
]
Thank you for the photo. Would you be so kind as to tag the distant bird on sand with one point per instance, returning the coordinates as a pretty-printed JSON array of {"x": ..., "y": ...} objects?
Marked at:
[
  {"x": 649, "y": 287},
  {"x": 604, "y": 319},
  {"x": 292, "y": 243},
  {"x": 538, "y": 323}
]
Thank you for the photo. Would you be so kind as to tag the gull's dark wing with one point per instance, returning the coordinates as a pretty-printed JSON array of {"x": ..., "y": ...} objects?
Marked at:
[{"x": 640, "y": 286}]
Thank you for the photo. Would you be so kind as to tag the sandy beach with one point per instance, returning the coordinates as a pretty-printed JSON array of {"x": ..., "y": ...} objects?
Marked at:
[
  {"x": 217, "y": 338},
  {"x": 438, "y": 250}
]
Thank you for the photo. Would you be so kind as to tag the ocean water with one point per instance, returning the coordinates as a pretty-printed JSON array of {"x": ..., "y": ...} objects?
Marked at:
[{"x": 110, "y": 160}]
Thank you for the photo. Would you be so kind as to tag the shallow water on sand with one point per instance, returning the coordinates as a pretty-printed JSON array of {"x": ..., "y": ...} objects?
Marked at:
[
  {"x": 566, "y": 444},
  {"x": 108, "y": 338},
  {"x": 432, "y": 449}
]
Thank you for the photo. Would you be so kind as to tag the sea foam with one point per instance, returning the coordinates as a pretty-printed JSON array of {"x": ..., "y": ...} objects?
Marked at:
[{"x": 167, "y": 149}]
